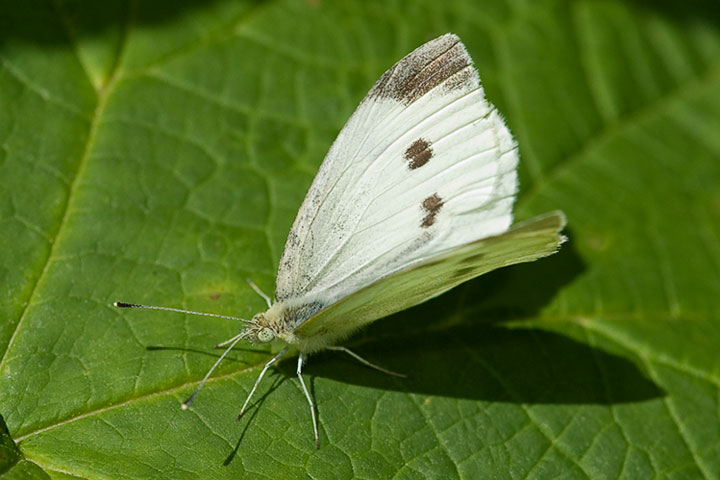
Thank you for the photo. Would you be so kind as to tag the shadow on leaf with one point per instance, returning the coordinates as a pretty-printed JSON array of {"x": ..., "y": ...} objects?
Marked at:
[
  {"x": 494, "y": 364},
  {"x": 249, "y": 418},
  {"x": 689, "y": 10},
  {"x": 46, "y": 22}
]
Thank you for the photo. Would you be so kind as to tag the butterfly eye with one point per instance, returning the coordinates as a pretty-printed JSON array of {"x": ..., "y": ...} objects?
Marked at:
[{"x": 265, "y": 335}]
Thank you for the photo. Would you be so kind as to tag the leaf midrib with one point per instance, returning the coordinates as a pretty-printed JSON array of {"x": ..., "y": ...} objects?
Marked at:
[{"x": 648, "y": 356}]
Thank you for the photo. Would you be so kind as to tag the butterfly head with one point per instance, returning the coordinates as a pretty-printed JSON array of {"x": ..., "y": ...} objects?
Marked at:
[
  {"x": 263, "y": 328},
  {"x": 258, "y": 331},
  {"x": 279, "y": 323}
]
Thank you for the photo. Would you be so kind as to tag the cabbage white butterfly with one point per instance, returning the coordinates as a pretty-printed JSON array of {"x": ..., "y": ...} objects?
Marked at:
[{"x": 413, "y": 198}]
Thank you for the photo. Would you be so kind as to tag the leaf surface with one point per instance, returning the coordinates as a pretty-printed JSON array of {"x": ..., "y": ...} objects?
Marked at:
[{"x": 157, "y": 152}]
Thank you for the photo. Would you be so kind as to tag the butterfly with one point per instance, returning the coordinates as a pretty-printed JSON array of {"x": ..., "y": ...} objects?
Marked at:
[{"x": 414, "y": 197}]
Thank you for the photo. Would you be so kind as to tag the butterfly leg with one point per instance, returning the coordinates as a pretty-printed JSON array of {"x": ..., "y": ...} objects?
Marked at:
[
  {"x": 229, "y": 341},
  {"x": 365, "y": 362},
  {"x": 260, "y": 377},
  {"x": 259, "y": 292},
  {"x": 186, "y": 404},
  {"x": 301, "y": 360}
]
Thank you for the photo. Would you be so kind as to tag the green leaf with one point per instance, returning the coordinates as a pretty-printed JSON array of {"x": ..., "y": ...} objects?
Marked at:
[{"x": 157, "y": 152}]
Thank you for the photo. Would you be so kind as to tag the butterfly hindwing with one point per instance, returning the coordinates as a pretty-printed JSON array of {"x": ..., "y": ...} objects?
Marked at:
[
  {"x": 424, "y": 165},
  {"x": 524, "y": 242}
]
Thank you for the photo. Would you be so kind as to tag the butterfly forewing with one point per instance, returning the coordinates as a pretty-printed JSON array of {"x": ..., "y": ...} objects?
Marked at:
[{"x": 425, "y": 164}]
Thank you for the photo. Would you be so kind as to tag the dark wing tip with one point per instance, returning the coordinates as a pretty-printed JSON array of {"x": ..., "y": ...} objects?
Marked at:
[{"x": 441, "y": 61}]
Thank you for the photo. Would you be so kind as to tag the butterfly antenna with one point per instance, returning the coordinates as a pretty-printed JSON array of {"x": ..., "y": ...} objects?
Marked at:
[
  {"x": 260, "y": 377},
  {"x": 178, "y": 310},
  {"x": 190, "y": 399}
]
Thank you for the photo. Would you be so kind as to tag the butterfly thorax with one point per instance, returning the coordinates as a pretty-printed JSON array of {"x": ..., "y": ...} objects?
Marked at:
[{"x": 281, "y": 321}]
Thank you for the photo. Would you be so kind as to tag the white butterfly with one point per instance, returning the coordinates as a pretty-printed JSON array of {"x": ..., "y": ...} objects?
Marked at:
[{"x": 414, "y": 197}]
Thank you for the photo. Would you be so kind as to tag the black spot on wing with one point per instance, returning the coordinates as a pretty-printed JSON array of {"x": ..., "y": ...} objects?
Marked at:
[
  {"x": 418, "y": 153},
  {"x": 443, "y": 60},
  {"x": 431, "y": 206}
]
